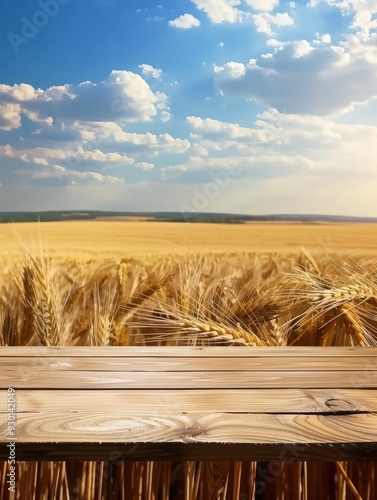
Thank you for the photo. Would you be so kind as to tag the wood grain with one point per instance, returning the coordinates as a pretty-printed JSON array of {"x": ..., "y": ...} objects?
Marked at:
[
  {"x": 215, "y": 403},
  {"x": 45, "y": 379},
  {"x": 187, "y": 364},
  {"x": 195, "y": 427},
  {"x": 155, "y": 402}
]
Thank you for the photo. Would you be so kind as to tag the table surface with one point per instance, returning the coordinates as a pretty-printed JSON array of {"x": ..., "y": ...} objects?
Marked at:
[{"x": 190, "y": 403}]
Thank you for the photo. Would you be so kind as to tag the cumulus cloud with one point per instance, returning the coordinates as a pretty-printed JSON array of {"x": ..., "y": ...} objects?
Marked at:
[
  {"x": 318, "y": 142},
  {"x": 85, "y": 126},
  {"x": 363, "y": 12},
  {"x": 325, "y": 38},
  {"x": 265, "y": 21},
  {"x": 106, "y": 145},
  {"x": 312, "y": 156},
  {"x": 43, "y": 156},
  {"x": 123, "y": 96},
  {"x": 229, "y": 11},
  {"x": 112, "y": 135},
  {"x": 219, "y": 11},
  {"x": 218, "y": 129},
  {"x": 358, "y": 47},
  {"x": 149, "y": 70},
  {"x": 10, "y": 116},
  {"x": 301, "y": 48},
  {"x": 143, "y": 165},
  {"x": 73, "y": 176},
  {"x": 185, "y": 21},
  {"x": 306, "y": 80},
  {"x": 317, "y": 135},
  {"x": 262, "y": 4},
  {"x": 165, "y": 116}
]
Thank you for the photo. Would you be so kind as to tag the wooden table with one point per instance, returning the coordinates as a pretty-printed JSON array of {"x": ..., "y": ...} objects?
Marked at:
[{"x": 191, "y": 403}]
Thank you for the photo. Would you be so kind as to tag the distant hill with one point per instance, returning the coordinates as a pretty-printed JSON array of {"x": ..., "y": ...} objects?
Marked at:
[{"x": 220, "y": 218}]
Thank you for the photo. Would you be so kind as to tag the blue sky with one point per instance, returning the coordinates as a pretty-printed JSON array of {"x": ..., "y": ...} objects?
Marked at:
[{"x": 240, "y": 106}]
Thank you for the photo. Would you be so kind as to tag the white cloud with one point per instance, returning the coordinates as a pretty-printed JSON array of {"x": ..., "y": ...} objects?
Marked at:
[
  {"x": 359, "y": 47},
  {"x": 316, "y": 142},
  {"x": 318, "y": 135},
  {"x": 265, "y": 21},
  {"x": 43, "y": 156},
  {"x": 6, "y": 150},
  {"x": 174, "y": 145},
  {"x": 73, "y": 129},
  {"x": 363, "y": 11},
  {"x": 165, "y": 116},
  {"x": 10, "y": 116},
  {"x": 324, "y": 162},
  {"x": 34, "y": 117},
  {"x": 306, "y": 80},
  {"x": 113, "y": 136},
  {"x": 233, "y": 69},
  {"x": 301, "y": 48},
  {"x": 123, "y": 96},
  {"x": 144, "y": 165},
  {"x": 22, "y": 92},
  {"x": 219, "y": 11},
  {"x": 185, "y": 21},
  {"x": 216, "y": 128},
  {"x": 199, "y": 150},
  {"x": 57, "y": 171},
  {"x": 149, "y": 70},
  {"x": 272, "y": 42},
  {"x": 262, "y": 4}
]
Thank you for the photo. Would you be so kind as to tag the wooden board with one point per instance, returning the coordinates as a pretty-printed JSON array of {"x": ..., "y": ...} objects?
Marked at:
[
  {"x": 182, "y": 364},
  {"x": 156, "y": 402},
  {"x": 171, "y": 403},
  {"x": 48, "y": 379}
]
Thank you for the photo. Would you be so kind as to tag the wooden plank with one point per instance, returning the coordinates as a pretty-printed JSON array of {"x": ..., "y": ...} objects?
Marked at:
[
  {"x": 157, "y": 402},
  {"x": 151, "y": 351},
  {"x": 195, "y": 428},
  {"x": 188, "y": 364},
  {"x": 192, "y": 403},
  {"x": 45, "y": 379}
]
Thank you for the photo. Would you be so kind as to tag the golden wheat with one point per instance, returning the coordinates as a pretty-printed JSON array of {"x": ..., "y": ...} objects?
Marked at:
[{"x": 234, "y": 299}]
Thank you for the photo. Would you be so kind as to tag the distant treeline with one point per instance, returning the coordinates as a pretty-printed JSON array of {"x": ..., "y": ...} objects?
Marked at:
[
  {"x": 222, "y": 218},
  {"x": 206, "y": 219}
]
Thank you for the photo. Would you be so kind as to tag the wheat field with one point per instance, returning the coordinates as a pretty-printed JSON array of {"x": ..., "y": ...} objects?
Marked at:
[
  {"x": 149, "y": 283},
  {"x": 114, "y": 238}
]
